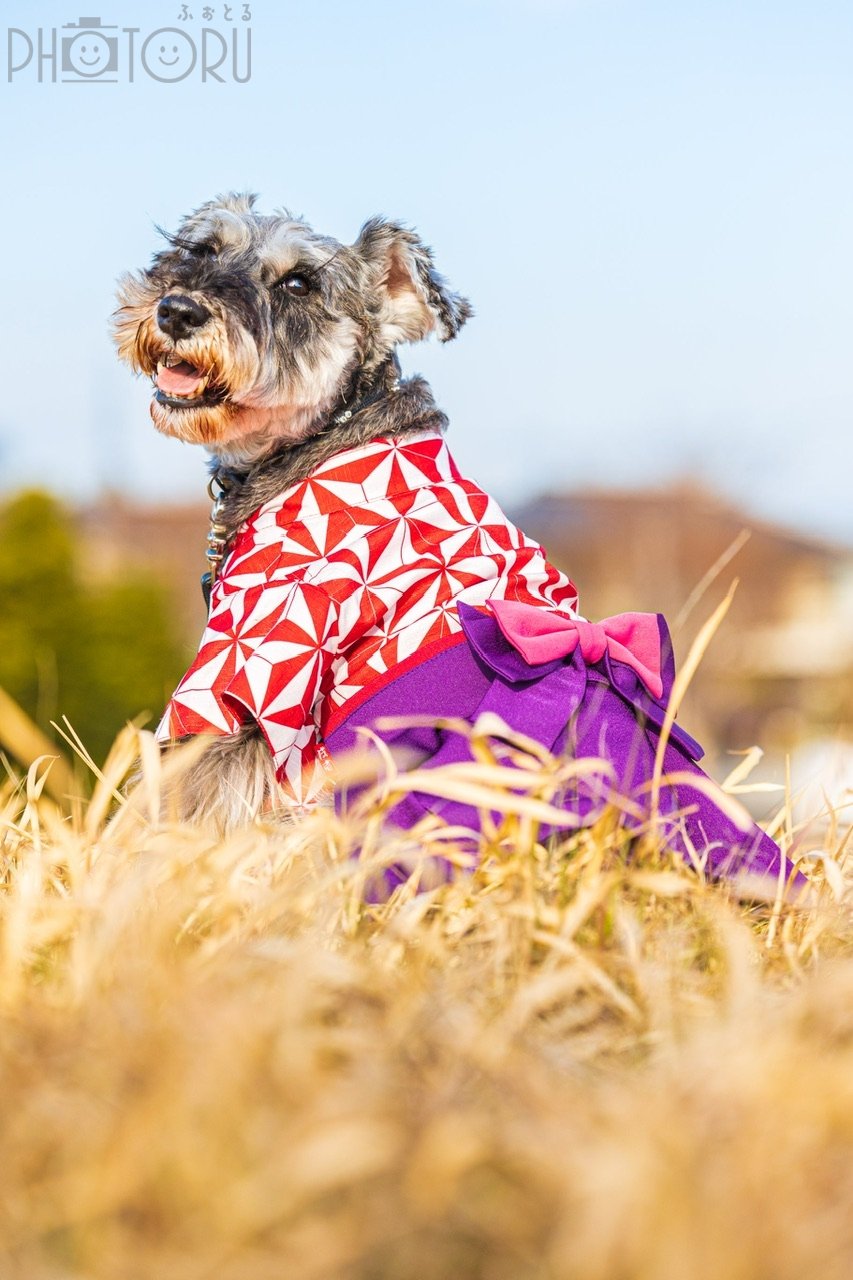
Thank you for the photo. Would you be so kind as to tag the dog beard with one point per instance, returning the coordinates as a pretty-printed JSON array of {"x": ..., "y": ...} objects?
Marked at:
[{"x": 217, "y": 389}]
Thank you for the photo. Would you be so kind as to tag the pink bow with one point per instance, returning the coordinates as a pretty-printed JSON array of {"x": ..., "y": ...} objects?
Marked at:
[{"x": 541, "y": 635}]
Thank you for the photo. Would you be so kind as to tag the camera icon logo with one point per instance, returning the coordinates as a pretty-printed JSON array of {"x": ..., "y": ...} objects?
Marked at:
[{"x": 89, "y": 54}]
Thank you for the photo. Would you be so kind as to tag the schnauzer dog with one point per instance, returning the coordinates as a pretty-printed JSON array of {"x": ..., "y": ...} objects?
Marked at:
[{"x": 355, "y": 573}]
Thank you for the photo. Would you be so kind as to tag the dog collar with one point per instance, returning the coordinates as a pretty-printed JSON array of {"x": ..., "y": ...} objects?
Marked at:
[{"x": 381, "y": 388}]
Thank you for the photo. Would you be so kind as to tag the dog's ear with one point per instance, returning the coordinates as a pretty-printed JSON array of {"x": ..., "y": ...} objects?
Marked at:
[{"x": 414, "y": 299}]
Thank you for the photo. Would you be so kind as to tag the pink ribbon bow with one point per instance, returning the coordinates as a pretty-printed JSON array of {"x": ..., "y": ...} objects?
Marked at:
[{"x": 541, "y": 635}]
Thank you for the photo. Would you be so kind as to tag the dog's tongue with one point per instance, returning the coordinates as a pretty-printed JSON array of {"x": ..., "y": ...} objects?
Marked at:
[{"x": 181, "y": 379}]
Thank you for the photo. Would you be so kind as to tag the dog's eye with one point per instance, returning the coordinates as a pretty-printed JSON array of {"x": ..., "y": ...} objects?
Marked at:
[{"x": 296, "y": 285}]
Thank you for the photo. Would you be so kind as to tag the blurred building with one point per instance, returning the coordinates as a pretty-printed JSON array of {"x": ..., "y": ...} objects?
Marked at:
[
  {"x": 780, "y": 668},
  {"x": 168, "y": 541}
]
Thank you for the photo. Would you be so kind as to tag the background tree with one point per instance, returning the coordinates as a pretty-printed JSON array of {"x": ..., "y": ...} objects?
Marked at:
[{"x": 97, "y": 652}]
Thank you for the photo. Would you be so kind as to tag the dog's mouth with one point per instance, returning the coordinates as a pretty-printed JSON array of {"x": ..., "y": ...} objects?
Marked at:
[{"x": 183, "y": 385}]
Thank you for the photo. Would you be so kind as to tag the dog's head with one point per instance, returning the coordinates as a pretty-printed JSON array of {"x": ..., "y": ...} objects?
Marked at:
[{"x": 253, "y": 327}]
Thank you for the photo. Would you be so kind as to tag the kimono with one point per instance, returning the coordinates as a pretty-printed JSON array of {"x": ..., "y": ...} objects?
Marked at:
[{"x": 387, "y": 584}]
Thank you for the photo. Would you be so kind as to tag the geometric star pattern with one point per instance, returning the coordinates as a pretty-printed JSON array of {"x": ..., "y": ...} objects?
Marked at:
[{"x": 340, "y": 579}]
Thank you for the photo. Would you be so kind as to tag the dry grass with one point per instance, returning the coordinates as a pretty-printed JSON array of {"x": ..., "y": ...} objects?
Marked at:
[{"x": 217, "y": 1060}]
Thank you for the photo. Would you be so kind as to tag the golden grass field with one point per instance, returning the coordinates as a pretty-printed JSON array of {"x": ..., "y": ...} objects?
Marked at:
[{"x": 218, "y": 1061}]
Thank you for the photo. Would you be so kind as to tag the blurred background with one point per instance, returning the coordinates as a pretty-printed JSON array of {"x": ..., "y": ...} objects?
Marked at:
[{"x": 648, "y": 202}]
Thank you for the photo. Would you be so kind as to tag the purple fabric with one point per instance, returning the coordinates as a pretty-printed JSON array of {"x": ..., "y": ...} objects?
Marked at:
[
  {"x": 541, "y": 635},
  {"x": 582, "y": 709}
]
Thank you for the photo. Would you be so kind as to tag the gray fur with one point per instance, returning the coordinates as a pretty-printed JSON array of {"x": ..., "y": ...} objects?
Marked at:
[
  {"x": 273, "y": 365},
  {"x": 275, "y": 370},
  {"x": 230, "y": 785}
]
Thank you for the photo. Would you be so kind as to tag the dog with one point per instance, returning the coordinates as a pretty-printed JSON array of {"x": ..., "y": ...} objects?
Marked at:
[{"x": 354, "y": 570}]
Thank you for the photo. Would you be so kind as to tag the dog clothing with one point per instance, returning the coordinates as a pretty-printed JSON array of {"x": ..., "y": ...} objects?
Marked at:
[{"x": 387, "y": 584}]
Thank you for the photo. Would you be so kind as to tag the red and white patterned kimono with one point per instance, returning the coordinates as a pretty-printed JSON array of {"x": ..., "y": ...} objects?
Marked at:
[{"x": 346, "y": 580}]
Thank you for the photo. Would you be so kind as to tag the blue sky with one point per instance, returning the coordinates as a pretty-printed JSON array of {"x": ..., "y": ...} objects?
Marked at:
[{"x": 649, "y": 204}]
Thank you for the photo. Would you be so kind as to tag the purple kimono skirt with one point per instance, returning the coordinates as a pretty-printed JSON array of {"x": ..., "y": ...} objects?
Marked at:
[{"x": 605, "y": 697}]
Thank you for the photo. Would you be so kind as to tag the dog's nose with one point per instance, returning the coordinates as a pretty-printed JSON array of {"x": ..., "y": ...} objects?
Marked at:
[{"x": 178, "y": 315}]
